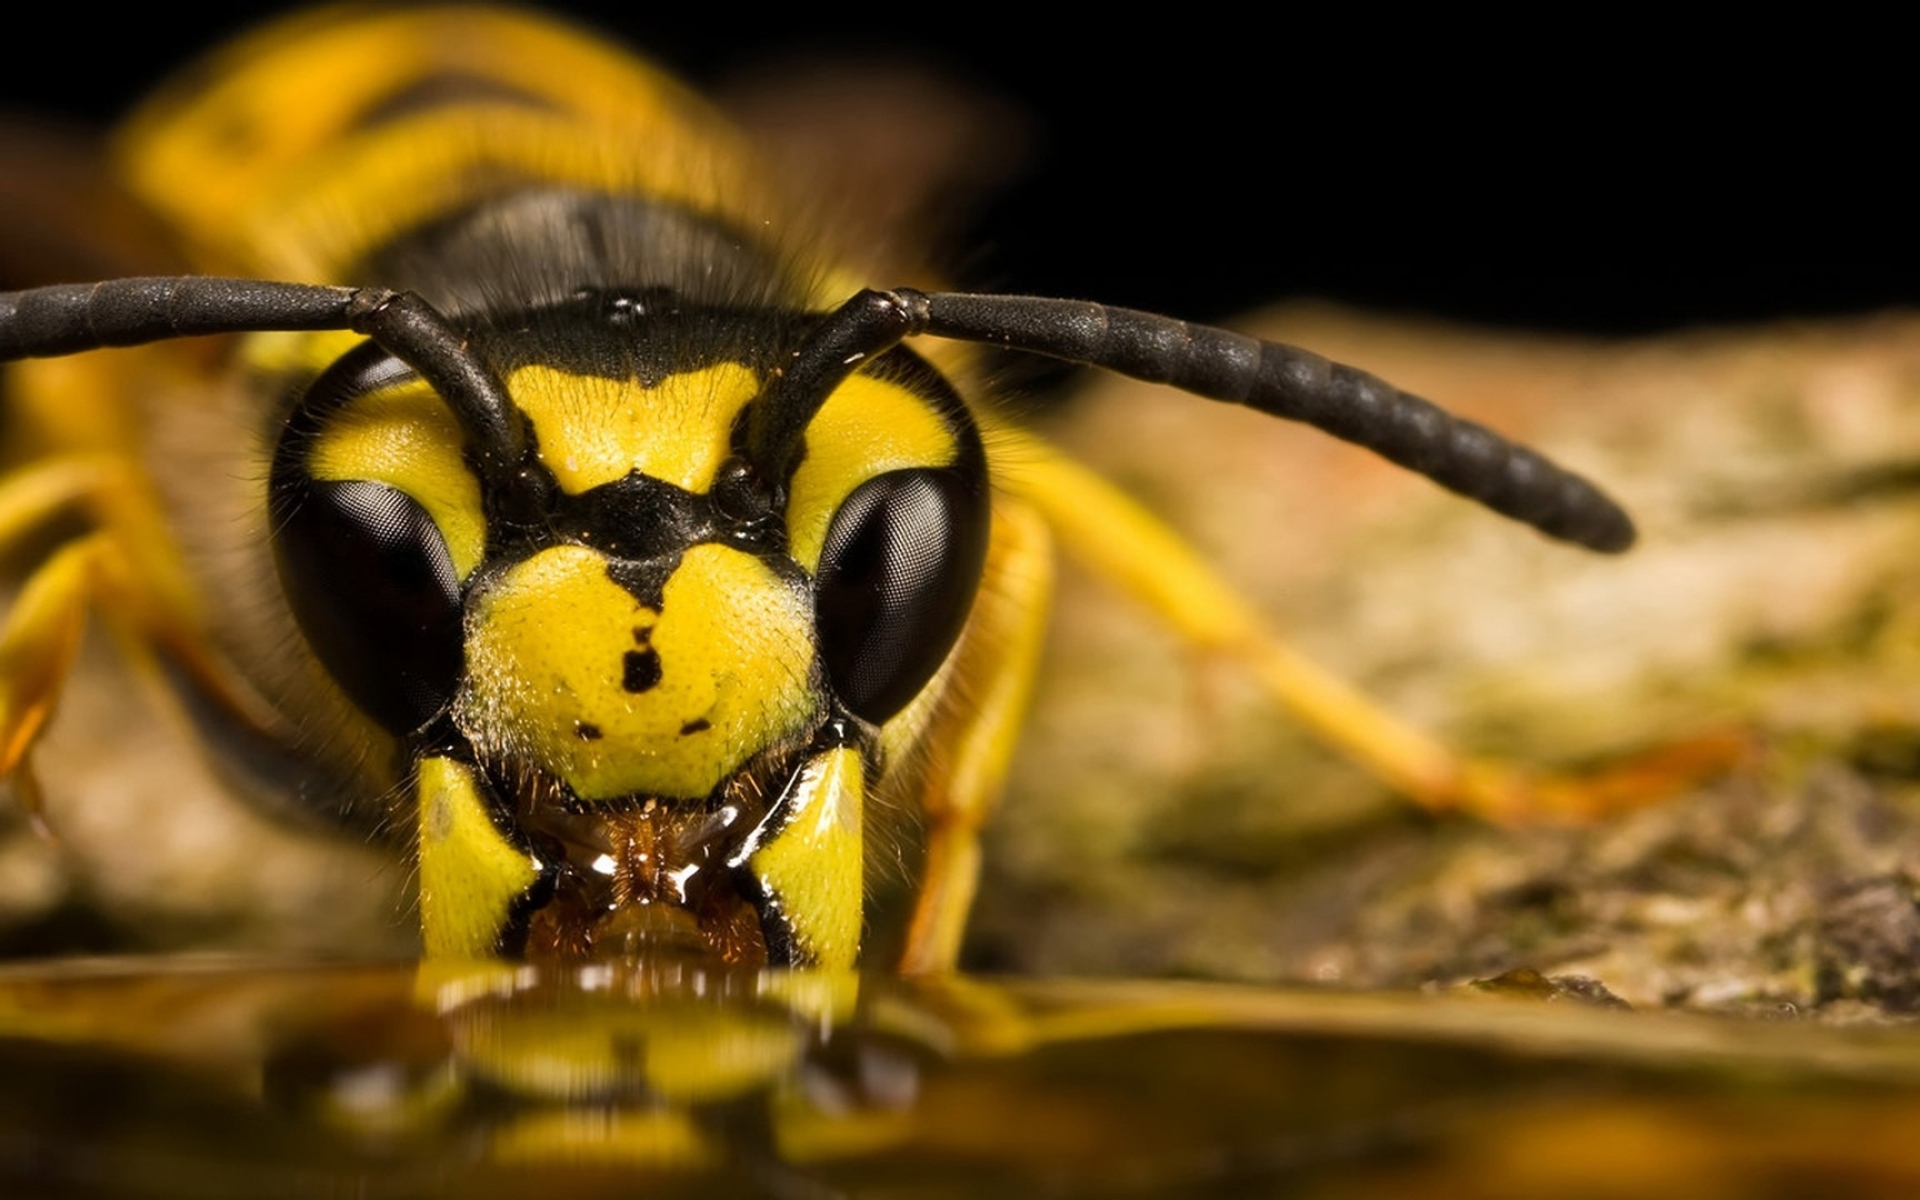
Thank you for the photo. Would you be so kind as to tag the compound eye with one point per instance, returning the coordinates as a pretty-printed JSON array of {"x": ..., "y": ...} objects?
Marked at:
[
  {"x": 374, "y": 513},
  {"x": 373, "y": 588},
  {"x": 897, "y": 575}
]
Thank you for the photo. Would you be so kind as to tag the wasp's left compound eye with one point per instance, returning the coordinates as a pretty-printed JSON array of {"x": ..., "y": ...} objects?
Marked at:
[{"x": 897, "y": 575}]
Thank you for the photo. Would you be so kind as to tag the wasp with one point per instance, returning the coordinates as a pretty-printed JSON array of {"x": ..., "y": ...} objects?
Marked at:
[{"x": 565, "y": 509}]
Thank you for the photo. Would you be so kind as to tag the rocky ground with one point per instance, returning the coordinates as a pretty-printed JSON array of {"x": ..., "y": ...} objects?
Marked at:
[{"x": 1165, "y": 819}]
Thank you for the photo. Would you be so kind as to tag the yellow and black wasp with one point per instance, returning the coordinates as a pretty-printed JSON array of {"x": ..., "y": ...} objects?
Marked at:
[{"x": 563, "y": 507}]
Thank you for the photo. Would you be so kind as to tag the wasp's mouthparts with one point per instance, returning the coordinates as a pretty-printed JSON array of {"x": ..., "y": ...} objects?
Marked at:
[{"x": 646, "y": 878}]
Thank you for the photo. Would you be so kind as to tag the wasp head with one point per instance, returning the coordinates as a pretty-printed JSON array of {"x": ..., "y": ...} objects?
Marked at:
[{"x": 638, "y": 682}]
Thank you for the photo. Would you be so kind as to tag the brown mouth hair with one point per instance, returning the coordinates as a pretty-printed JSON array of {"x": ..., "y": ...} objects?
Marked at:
[{"x": 647, "y": 876}]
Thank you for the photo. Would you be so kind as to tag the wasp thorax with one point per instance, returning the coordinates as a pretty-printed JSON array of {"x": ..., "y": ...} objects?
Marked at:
[{"x": 571, "y": 673}]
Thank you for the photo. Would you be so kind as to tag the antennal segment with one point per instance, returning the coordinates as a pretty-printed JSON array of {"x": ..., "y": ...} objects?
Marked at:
[
  {"x": 70, "y": 318},
  {"x": 1285, "y": 381}
]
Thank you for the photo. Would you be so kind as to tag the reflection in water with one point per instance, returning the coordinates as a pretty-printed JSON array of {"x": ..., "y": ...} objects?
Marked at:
[{"x": 493, "y": 1079}]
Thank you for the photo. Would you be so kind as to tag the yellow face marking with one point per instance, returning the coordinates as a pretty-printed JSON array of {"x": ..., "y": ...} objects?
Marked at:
[
  {"x": 812, "y": 867},
  {"x": 568, "y": 671},
  {"x": 405, "y": 436},
  {"x": 593, "y": 431},
  {"x": 866, "y": 428},
  {"x": 470, "y": 875}
]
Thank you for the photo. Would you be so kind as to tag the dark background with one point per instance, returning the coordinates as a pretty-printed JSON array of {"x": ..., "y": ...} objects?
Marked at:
[{"x": 1601, "y": 177}]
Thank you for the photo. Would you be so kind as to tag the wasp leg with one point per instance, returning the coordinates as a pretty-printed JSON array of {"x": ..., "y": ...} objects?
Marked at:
[
  {"x": 1132, "y": 550},
  {"x": 124, "y": 568},
  {"x": 38, "y": 644},
  {"x": 993, "y": 676}
]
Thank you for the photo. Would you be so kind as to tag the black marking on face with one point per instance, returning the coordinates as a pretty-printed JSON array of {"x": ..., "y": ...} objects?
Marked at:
[
  {"x": 587, "y": 732},
  {"x": 697, "y": 725},
  {"x": 645, "y": 581},
  {"x": 645, "y": 527},
  {"x": 637, "y": 517},
  {"x": 640, "y": 670}
]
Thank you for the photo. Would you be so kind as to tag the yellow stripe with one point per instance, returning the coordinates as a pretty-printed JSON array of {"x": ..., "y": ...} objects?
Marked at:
[
  {"x": 812, "y": 868},
  {"x": 470, "y": 876},
  {"x": 276, "y": 132}
]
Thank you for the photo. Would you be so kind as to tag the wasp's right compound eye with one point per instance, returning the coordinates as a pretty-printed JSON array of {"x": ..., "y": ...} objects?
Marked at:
[
  {"x": 363, "y": 564},
  {"x": 371, "y": 583}
]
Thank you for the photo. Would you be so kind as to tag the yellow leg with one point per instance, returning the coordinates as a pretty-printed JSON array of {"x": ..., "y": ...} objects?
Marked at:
[
  {"x": 41, "y": 633},
  {"x": 976, "y": 729},
  {"x": 111, "y": 495},
  {"x": 38, "y": 643},
  {"x": 1132, "y": 550},
  {"x": 126, "y": 569}
]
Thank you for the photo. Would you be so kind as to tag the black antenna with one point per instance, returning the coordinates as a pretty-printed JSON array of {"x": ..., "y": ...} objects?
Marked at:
[
  {"x": 871, "y": 323},
  {"x": 69, "y": 318},
  {"x": 1276, "y": 379}
]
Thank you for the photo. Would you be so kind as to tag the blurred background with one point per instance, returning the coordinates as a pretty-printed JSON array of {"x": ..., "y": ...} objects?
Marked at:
[{"x": 1622, "y": 180}]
